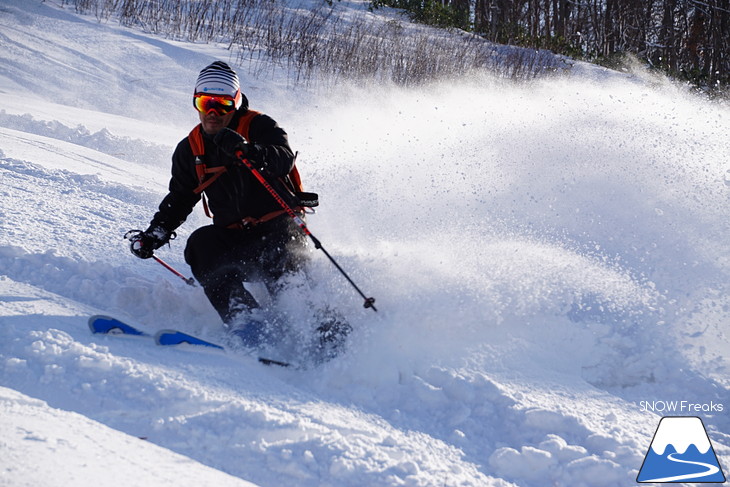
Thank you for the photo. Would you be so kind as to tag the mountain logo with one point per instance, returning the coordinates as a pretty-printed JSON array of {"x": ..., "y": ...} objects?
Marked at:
[{"x": 680, "y": 452}]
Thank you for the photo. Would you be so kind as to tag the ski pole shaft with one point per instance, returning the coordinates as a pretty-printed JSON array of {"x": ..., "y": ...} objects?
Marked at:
[
  {"x": 133, "y": 236},
  {"x": 188, "y": 280},
  {"x": 369, "y": 301}
]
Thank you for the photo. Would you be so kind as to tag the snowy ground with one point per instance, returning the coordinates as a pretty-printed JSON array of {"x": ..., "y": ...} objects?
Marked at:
[{"x": 547, "y": 258}]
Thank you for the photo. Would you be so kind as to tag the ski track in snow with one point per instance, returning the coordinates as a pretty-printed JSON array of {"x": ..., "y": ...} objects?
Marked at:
[{"x": 544, "y": 258}]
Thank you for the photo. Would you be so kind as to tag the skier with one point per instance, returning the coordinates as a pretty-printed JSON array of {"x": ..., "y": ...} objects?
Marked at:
[{"x": 251, "y": 238}]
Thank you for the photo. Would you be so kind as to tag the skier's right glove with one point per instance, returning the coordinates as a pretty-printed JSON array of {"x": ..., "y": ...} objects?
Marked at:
[
  {"x": 144, "y": 244},
  {"x": 231, "y": 142}
]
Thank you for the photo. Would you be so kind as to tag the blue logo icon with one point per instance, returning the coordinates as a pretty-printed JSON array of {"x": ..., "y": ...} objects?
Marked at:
[{"x": 681, "y": 452}]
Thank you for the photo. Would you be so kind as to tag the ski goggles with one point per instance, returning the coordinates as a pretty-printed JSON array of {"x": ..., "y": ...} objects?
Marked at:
[{"x": 221, "y": 105}]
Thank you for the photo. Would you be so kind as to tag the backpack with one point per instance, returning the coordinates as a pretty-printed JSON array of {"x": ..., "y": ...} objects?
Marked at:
[{"x": 206, "y": 176}]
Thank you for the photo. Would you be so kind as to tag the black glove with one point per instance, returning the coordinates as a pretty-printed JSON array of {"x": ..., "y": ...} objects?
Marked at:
[
  {"x": 144, "y": 244},
  {"x": 230, "y": 142}
]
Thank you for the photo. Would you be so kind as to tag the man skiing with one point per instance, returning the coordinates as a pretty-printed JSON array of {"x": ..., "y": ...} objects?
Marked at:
[{"x": 251, "y": 238}]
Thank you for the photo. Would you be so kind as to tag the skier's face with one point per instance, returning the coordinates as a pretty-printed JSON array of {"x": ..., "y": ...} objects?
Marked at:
[{"x": 213, "y": 123}]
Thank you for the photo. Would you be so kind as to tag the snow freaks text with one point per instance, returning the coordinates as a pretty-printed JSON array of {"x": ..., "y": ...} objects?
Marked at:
[{"x": 680, "y": 407}]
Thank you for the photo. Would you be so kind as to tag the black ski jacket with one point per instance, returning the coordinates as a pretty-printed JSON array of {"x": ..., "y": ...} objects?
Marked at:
[{"x": 236, "y": 194}]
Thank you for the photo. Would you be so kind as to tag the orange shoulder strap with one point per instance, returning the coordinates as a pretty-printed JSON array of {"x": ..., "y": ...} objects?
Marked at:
[
  {"x": 295, "y": 178},
  {"x": 195, "y": 139},
  {"x": 245, "y": 122}
]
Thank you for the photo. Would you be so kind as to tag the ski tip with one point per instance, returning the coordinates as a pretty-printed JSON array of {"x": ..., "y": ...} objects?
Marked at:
[
  {"x": 94, "y": 319},
  {"x": 163, "y": 337},
  {"x": 106, "y": 325},
  {"x": 177, "y": 337}
]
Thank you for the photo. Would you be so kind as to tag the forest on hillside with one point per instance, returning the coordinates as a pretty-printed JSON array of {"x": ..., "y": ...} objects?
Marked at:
[{"x": 686, "y": 39}]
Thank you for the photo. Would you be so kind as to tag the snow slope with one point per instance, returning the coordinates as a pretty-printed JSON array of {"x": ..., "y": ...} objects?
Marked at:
[{"x": 547, "y": 259}]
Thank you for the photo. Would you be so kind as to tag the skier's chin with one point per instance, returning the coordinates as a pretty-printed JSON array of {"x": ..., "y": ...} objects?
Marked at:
[
  {"x": 212, "y": 127},
  {"x": 214, "y": 123}
]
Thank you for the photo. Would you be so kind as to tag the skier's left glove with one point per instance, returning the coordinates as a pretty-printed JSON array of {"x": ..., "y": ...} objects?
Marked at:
[
  {"x": 144, "y": 244},
  {"x": 231, "y": 142}
]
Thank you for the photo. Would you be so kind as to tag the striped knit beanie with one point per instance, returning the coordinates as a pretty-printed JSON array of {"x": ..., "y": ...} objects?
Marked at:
[{"x": 219, "y": 79}]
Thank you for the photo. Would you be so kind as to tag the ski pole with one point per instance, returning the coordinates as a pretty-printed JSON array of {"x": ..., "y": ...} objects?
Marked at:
[
  {"x": 188, "y": 280},
  {"x": 369, "y": 302}
]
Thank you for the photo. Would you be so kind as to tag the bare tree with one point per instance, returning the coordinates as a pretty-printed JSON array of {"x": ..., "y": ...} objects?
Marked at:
[{"x": 686, "y": 38}]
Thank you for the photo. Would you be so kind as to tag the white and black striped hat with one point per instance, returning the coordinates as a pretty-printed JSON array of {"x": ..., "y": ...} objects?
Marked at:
[{"x": 219, "y": 79}]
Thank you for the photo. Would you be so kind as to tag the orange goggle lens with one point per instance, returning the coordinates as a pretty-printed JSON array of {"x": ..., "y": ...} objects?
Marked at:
[{"x": 219, "y": 104}]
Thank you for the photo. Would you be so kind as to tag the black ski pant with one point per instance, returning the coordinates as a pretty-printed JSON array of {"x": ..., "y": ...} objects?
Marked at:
[{"x": 223, "y": 258}]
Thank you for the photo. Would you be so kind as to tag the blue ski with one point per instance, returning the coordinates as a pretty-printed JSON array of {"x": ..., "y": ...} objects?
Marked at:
[
  {"x": 175, "y": 337},
  {"x": 111, "y": 326},
  {"x": 106, "y": 325}
]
